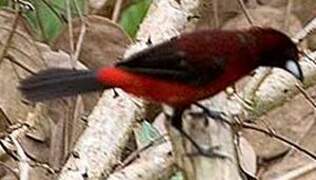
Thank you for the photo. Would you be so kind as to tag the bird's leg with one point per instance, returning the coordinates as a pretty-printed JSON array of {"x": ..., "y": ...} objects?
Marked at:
[{"x": 176, "y": 122}]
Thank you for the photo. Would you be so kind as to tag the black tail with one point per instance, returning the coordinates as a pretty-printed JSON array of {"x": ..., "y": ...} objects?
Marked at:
[{"x": 58, "y": 82}]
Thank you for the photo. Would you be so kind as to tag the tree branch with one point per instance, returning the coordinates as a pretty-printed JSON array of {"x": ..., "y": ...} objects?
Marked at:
[{"x": 112, "y": 119}]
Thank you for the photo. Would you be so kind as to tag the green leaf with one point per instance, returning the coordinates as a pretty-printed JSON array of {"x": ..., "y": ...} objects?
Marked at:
[
  {"x": 147, "y": 133},
  {"x": 133, "y": 16},
  {"x": 47, "y": 21}
]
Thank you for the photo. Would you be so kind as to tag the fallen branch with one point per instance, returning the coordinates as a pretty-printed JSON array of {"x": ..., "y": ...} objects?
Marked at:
[
  {"x": 154, "y": 166},
  {"x": 111, "y": 121}
]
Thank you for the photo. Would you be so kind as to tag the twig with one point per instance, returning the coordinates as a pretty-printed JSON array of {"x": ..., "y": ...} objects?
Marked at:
[
  {"x": 306, "y": 95},
  {"x": 43, "y": 165},
  {"x": 246, "y": 12},
  {"x": 278, "y": 137},
  {"x": 27, "y": 39},
  {"x": 5, "y": 48},
  {"x": 117, "y": 10},
  {"x": 307, "y": 29},
  {"x": 308, "y": 57},
  {"x": 215, "y": 13},
  {"x": 71, "y": 35},
  {"x": 154, "y": 166},
  {"x": 39, "y": 21},
  {"x": 23, "y": 164},
  {"x": 269, "y": 133},
  {"x": 5, "y": 118},
  {"x": 134, "y": 154},
  {"x": 232, "y": 91},
  {"x": 9, "y": 151},
  {"x": 22, "y": 66},
  {"x": 287, "y": 15},
  {"x": 83, "y": 29}
]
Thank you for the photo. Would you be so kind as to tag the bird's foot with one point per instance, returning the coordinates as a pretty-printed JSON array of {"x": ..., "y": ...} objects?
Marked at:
[
  {"x": 210, "y": 152},
  {"x": 216, "y": 115}
]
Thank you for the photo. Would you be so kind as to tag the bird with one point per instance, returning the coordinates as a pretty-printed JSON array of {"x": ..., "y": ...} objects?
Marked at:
[{"x": 177, "y": 72}]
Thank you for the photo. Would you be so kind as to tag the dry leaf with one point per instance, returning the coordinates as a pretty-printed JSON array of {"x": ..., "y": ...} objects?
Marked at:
[
  {"x": 266, "y": 17},
  {"x": 247, "y": 157},
  {"x": 291, "y": 120},
  {"x": 58, "y": 121},
  {"x": 104, "y": 42},
  {"x": 22, "y": 53},
  {"x": 293, "y": 163}
]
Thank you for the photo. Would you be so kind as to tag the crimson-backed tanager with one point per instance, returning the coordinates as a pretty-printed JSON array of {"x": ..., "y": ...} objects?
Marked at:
[{"x": 177, "y": 72}]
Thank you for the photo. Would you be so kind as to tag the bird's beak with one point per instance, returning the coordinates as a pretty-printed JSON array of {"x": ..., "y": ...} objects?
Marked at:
[{"x": 294, "y": 68}]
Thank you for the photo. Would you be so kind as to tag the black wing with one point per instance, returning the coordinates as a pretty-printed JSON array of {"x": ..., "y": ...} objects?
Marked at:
[{"x": 165, "y": 61}]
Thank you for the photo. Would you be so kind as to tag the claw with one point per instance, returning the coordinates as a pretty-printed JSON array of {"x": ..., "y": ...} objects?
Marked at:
[
  {"x": 216, "y": 115},
  {"x": 210, "y": 152}
]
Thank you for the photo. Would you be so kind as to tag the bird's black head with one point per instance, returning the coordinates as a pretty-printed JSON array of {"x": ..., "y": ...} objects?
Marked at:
[{"x": 278, "y": 50}]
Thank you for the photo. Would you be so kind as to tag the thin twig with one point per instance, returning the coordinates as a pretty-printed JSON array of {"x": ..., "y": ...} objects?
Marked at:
[
  {"x": 135, "y": 154},
  {"x": 232, "y": 91},
  {"x": 269, "y": 133},
  {"x": 22, "y": 66},
  {"x": 215, "y": 11},
  {"x": 79, "y": 43},
  {"x": 23, "y": 164},
  {"x": 306, "y": 30},
  {"x": 306, "y": 95},
  {"x": 7, "y": 150},
  {"x": 287, "y": 15},
  {"x": 27, "y": 39},
  {"x": 246, "y": 12},
  {"x": 5, "y": 118},
  {"x": 279, "y": 137},
  {"x": 9, "y": 131},
  {"x": 117, "y": 10},
  {"x": 17, "y": 126},
  {"x": 307, "y": 56},
  {"x": 83, "y": 30},
  {"x": 5, "y": 48},
  {"x": 70, "y": 33},
  {"x": 39, "y": 22},
  {"x": 42, "y": 165}
]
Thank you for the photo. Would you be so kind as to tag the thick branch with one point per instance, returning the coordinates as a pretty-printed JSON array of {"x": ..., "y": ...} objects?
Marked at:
[
  {"x": 156, "y": 165},
  {"x": 112, "y": 119},
  {"x": 101, "y": 144}
]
